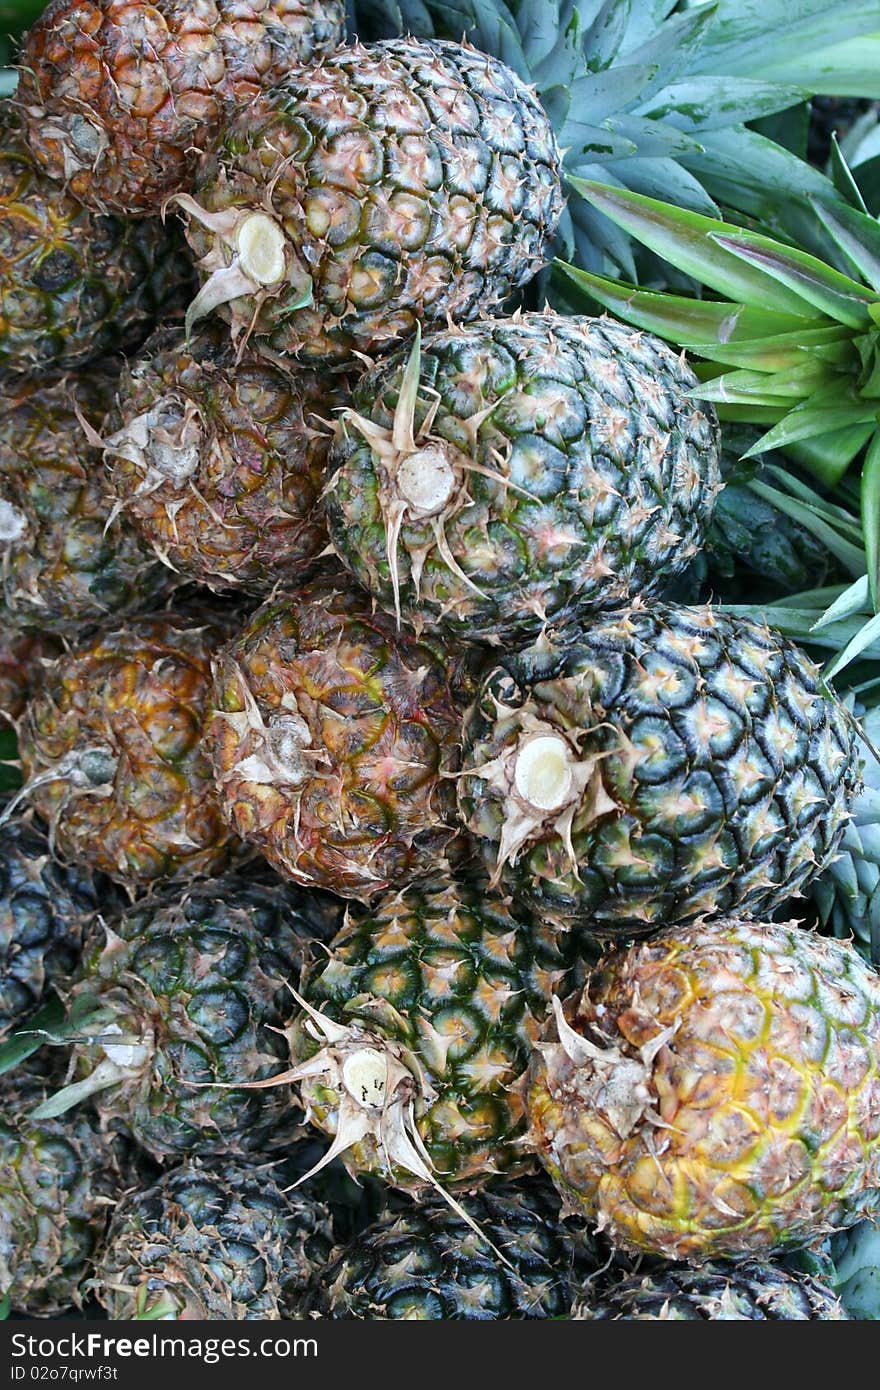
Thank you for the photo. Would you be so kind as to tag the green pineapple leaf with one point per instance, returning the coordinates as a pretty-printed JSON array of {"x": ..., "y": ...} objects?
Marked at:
[
  {"x": 693, "y": 244},
  {"x": 871, "y": 516}
]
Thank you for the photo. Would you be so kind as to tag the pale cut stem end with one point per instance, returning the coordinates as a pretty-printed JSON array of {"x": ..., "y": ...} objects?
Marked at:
[
  {"x": 426, "y": 481},
  {"x": 261, "y": 242},
  {"x": 543, "y": 772}
]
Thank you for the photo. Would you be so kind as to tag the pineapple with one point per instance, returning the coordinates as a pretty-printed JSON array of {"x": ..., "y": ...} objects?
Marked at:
[
  {"x": 331, "y": 739},
  {"x": 219, "y": 459},
  {"x": 747, "y": 1291},
  {"x": 423, "y": 1262},
  {"x": 392, "y": 184},
  {"x": 45, "y": 908},
  {"x": 715, "y": 1091},
  {"x": 74, "y": 286},
  {"x": 23, "y": 657},
  {"x": 416, "y": 1029},
  {"x": 521, "y": 468},
  {"x": 662, "y": 764},
  {"x": 213, "y": 1242},
  {"x": 121, "y": 98},
  {"x": 112, "y": 750},
  {"x": 66, "y": 562},
  {"x": 183, "y": 995},
  {"x": 58, "y": 1181}
]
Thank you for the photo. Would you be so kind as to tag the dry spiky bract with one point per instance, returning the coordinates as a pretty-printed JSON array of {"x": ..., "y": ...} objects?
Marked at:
[
  {"x": 416, "y": 1031},
  {"x": 179, "y": 1003},
  {"x": 213, "y": 1242},
  {"x": 58, "y": 1180},
  {"x": 75, "y": 286},
  {"x": 715, "y": 1091},
  {"x": 113, "y": 755},
  {"x": 121, "y": 97},
  {"x": 220, "y": 460},
  {"x": 331, "y": 738},
  {"x": 394, "y": 184},
  {"x": 746, "y": 1291},
  {"x": 64, "y": 560},
  {"x": 661, "y": 764},
  {"x": 517, "y": 469}
]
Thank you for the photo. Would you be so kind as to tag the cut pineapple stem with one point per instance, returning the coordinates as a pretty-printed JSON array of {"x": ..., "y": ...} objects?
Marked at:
[
  {"x": 261, "y": 244},
  {"x": 543, "y": 772},
  {"x": 13, "y": 523},
  {"x": 365, "y": 1076},
  {"x": 426, "y": 480}
]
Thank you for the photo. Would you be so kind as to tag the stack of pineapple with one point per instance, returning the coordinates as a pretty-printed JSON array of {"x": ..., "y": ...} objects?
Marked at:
[{"x": 385, "y": 774}]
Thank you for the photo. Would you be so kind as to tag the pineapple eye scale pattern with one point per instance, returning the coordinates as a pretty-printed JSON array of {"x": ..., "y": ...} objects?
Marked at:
[
  {"x": 702, "y": 767},
  {"x": 407, "y": 182},
  {"x": 570, "y": 466}
]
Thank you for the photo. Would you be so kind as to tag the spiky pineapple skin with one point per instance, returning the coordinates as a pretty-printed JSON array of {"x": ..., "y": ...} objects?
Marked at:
[
  {"x": 330, "y": 740},
  {"x": 45, "y": 910},
  {"x": 213, "y": 1241},
  {"x": 413, "y": 181},
  {"x": 200, "y": 979},
  {"x": 67, "y": 562},
  {"x": 219, "y": 459},
  {"x": 124, "y": 716},
  {"x": 747, "y": 1291},
  {"x": 121, "y": 97},
  {"x": 75, "y": 286},
  {"x": 723, "y": 771},
  {"x": 730, "y": 1103},
  {"x": 58, "y": 1179},
  {"x": 583, "y": 474},
  {"x": 468, "y": 983},
  {"x": 423, "y": 1262}
]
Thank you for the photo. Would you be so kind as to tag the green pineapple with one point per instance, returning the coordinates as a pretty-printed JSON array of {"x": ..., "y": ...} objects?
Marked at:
[
  {"x": 747, "y": 1291},
  {"x": 179, "y": 1000},
  {"x": 45, "y": 910},
  {"x": 58, "y": 1182},
  {"x": 416, "y": 1029},
  {"x": 424, "y": 1262},
  {"x": 212, "y": 1241},
  {"x": 389, "y": 185},
  {"x": 520, "y": 469},
  {"x": 662, "y": 764}
]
